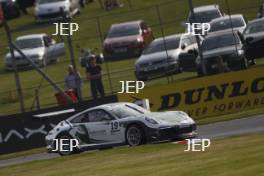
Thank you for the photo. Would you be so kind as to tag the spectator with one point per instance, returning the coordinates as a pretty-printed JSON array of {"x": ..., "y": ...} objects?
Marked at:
[
  {"x": 73, "y": 81},
  {"x": 94, "y": 75}
]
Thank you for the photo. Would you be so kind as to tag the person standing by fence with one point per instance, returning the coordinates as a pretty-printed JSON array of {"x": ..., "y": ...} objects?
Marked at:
[
  {"x": 94, "y": 75},
  {"x": 73, "y": 81}
]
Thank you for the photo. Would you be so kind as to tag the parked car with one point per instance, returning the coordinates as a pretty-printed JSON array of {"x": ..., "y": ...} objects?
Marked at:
[
  {"x": 261, "y": 11},
  {"x": 118, "y": 124},
  {"x": 204, "y": 14},
  {"x": 127, "y": 40},
  {"x": 40, "y": 48},
  {"x": 49, "y": 10},
  {"x": 232, "y": 22},
  {"x": 161, "y": 56},
  {"x": 254, "y": 37},
  {"x": 227, "y": 45},
  {"x": 10, "y": 9}
]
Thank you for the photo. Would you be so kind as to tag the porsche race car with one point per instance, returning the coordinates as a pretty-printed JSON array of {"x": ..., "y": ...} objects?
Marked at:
[{"x": 118, "y": 124}]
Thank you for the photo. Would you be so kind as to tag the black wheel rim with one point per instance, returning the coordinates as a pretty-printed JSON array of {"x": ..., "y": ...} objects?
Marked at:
[{"x": 134, "y": 136}]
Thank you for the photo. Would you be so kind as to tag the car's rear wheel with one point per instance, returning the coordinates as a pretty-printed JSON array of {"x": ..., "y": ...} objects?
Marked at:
[{"x": 134, "y": 135}]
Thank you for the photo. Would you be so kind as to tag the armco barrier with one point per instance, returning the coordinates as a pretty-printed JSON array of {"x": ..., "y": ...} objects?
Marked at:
[
  {"x": 207, "y": 96},
  {"x": 27, "y": 131}
]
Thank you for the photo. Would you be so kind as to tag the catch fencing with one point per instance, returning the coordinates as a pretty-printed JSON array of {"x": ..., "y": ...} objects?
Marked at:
[{"x": 164, "y": 17}]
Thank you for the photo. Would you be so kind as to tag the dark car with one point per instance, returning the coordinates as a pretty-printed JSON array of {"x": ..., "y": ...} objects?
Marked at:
[
  {"x": 261, "y": 11},
  {"x": 226, "y": 46},
  {"x": 10, "y": 9},
  {"x": 205, "y": 14},
  {"x": 254, "y": 37},
  {"x": 127, "y": 40}
]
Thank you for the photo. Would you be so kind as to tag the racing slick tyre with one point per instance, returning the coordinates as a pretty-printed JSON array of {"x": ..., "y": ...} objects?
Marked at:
[
  {"x": 135, "y": 136},
  {"x": 66, "y": 145}
]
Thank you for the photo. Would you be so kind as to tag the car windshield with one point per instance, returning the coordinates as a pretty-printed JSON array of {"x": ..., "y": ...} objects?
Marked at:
[
  {"x": 29, "y": 43},
  {"x": 227, "y": 24},
  {"x": 128, "y": 110},
  {"x": 48, "y": 1},
  {"x": 122, "y": 31},
  {"x": 220, "y": 41},
  {"x": 161, "y": 45},
  {"x": 205, "y": 17},
  {"x": 255, "y": 27}
]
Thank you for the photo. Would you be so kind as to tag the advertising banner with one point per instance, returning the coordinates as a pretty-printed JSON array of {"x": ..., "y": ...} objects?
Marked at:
[{"x": 207, "y": 96}]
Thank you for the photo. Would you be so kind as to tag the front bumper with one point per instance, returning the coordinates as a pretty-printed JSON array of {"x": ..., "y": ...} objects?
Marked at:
[
  {"x": 124, "y": 53},
  {"x": 212, "y": 65},
  {"x": 171, "y": 133},
  {"x": 157, "y": 71}
]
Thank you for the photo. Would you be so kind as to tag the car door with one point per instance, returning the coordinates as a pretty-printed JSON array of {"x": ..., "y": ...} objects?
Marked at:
[
  {"x": 53, "y": 50},
  {"x": 103, "y": 127}
]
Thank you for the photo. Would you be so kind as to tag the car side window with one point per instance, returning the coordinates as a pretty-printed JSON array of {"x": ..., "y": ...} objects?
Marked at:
[
  {"x": 99, "y": 116},
  {"x": 82, "y": 118}
]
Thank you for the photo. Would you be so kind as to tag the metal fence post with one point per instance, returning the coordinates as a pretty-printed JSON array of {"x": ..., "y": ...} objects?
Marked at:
[
  {"x": 197, "y": 39},
  {"x": 106, "y": 62},
  {"x": 163, "y": 35},
  {"x": 17, "y": 78}
]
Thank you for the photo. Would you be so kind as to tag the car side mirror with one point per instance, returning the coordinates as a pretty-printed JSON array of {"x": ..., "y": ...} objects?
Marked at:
[{"x": 183, "y": 46}]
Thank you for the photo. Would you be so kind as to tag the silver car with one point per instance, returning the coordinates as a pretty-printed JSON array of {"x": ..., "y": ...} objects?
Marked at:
[
  {"x": 118, "y": 124},
  {"x": 49, "y": 10},
  {"x": 40, "y": 48},
  {"x": 161, "y": 57}
]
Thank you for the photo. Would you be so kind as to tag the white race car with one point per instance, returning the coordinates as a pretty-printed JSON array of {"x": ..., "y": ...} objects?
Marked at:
[{"x": 118, "y": 124}]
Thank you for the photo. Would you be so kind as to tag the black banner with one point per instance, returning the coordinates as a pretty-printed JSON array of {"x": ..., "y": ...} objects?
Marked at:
[{"x": 28, "y": 130}]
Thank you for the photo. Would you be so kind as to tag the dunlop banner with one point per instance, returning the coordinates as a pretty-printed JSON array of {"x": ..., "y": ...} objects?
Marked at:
[{"x": 207, "y": 96}]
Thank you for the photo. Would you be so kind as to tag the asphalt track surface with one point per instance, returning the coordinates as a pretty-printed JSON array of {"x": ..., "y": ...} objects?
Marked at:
[{"x": 211, "y": 131}]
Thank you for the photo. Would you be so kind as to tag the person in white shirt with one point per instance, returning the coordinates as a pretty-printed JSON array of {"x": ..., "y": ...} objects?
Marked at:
[{"x": 73, "y": 81}]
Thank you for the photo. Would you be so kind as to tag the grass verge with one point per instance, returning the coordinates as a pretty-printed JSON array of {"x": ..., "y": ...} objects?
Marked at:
[
  {"x": 248, "y": 113},
  {"x": 241, "y": 156}
]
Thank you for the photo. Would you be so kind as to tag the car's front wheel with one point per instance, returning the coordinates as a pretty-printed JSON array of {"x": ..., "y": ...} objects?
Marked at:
[
  {"x": 64, "y": 143},
  {"x": 134, "y": 135}
]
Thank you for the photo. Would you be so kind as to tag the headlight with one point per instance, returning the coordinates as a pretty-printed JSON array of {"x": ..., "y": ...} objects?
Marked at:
[
  {"x": 151, "y": 120},
  {"x": 34, "y": 56},
  {"x": 139, "y": 40},
  {"x": 240, "y": 52}
]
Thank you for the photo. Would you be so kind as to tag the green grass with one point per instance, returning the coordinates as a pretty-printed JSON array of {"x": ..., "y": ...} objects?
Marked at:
[
  {"x": 171, "y": 14},
  {"x": 234, "y": 156}
]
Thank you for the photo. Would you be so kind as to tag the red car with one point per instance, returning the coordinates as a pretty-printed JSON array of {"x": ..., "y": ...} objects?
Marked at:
[{"x": 127, "y": 40}]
